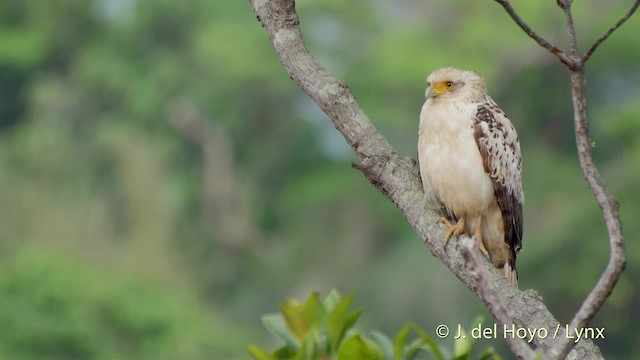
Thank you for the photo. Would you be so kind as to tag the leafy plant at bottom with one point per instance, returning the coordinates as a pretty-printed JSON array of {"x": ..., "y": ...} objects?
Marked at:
[{"x": 324, "y": 329}]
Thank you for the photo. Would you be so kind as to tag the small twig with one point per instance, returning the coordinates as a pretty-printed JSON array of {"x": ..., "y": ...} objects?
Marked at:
[
  {"x": 557, "y": 52},
  {"x": 571, "y": 29},
  {"x": 490, "y": 295},
  {"x": 604, "y": 37}
]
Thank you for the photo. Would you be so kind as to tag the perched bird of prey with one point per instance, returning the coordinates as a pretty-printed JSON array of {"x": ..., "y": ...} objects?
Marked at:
[{"x": 470, "y": 165}]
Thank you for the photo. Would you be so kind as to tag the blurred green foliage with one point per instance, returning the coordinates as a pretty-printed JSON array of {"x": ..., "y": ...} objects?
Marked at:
[
  {"x": 161, "y": 141},
  {"x": 325, "y": 329},
  {"x": 54, "y": 307}
]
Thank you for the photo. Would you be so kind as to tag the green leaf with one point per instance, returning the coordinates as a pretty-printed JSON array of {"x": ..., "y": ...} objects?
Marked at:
[
  {"x": 374, "y": 349},
  {"x": 489, "y": 354},
  {"x": 283, "y": 353},
  {"x": 275, "y": 324},
  {"x": 462, "y": 346},
  {"x": 384, "y": 343},
  {"x": 339, "y": 321},
  {"x": 399, "y": 343},
  {"x": 435, "y": 349},
  {"x": 352, "y": 348},
  {"x": 312, "y": 310},
  {"x": 259, "y": 354},
  {"x": 352, "y": 319},
  {"x": 415, "y": 348},
  {"x": 308, "y": 350},
  {"x": 357, "y": 348},
  {"x": 294, "y": 317},
  {"x": 331, "y": 301}
]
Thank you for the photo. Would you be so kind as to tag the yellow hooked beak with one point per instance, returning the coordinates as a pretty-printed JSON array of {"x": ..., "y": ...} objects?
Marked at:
[{"x": 429, "y": 93}]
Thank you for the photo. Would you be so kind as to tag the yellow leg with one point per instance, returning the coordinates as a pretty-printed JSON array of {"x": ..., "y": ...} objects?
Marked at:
[
  {"x": 456, "y": 229},
  {"x": 478, "y": 236}
]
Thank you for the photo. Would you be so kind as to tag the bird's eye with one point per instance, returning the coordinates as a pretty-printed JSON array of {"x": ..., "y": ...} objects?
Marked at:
[{"x": 449, "y": 84}]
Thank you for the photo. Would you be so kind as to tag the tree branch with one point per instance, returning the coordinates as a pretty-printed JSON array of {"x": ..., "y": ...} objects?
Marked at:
[
  {"x": 557, "y": 52},
  {"x": 571, "y": 30},
  {"x": 395, "y": 176},
  {"x": 608, "y": 204},
  {"x": 487, "y": 291},
  {"x": 604, "y": 37}
]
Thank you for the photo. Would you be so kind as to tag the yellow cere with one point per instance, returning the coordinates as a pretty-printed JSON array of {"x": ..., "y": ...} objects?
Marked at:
[{"x": 442, "y": 87}]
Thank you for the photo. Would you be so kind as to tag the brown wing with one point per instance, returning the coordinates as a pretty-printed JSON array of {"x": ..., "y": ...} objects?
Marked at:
[{"x": 499, "y": 147}]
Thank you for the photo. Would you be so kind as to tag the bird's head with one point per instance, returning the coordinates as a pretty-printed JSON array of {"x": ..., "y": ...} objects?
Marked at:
[{"x": 453, "y": 83}]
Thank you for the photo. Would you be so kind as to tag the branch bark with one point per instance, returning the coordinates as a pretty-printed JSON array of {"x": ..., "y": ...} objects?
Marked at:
[
  {"x": 396, "y": 176},
  {"x": 487, "y": 290}
]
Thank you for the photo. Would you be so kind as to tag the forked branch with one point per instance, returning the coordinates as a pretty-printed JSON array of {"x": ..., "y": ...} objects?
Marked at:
[
  {"x": 608, "y": 204},
  {"x": 566, "y": 59}
]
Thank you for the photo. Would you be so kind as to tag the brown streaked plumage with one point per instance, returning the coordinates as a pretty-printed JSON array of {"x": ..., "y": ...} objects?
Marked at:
[{"x": 470, "y": 165}]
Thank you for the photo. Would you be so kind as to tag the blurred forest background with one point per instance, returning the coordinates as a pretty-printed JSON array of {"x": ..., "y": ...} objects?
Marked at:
[{"x": 163, "y": 183}]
